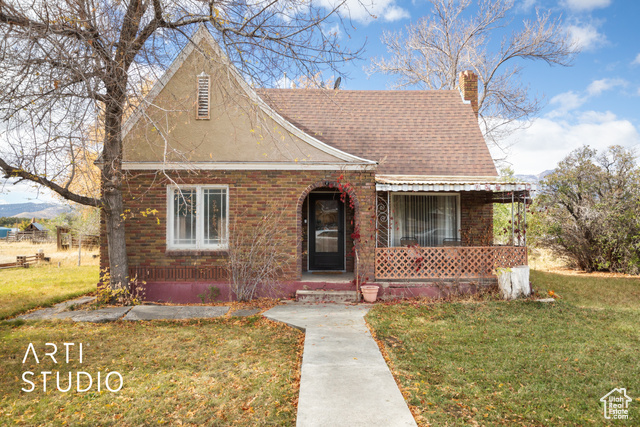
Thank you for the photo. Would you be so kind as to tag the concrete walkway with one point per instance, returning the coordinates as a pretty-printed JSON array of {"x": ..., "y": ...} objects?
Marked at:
[
  {"x": 138, "y": 312},
  {"x": 345, "y": 380}
]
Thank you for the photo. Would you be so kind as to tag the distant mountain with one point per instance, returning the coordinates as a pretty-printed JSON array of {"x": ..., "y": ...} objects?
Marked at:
[
  {"x": 534, "y": 179},
  {"x": 527, "y": 178},
  {"x": 33, "y": 210},
  {"x": 544, "y": 174}
]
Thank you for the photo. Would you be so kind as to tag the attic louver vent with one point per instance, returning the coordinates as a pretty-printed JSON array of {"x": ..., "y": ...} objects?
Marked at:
[{"x": 202, "y": 112}]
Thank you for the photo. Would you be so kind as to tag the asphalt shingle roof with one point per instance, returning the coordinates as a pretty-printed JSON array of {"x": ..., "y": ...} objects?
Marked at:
[{"x": 429, "y": 132}]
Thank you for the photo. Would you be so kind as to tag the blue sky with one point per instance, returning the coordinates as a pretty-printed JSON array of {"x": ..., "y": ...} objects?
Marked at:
[{"x": 593, "y": 102}]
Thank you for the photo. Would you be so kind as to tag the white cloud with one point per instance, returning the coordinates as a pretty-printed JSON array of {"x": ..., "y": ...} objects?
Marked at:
[
  {"x": 365, "y": 10},
  {"x": 637, "y": 60},
  {"x": 586, "y": 36},
  {"x": 333, "y": 30},
  {"x": 395, "y": 13},
  {"x": 546, "y": 142},
  {"x": 564, "y": 103},
  {"x": 585, "y": 5},
  {"x": 598, "y": 86},
  {"x": 526, "y": 5},
  {"x": 24, "y": 191},
  {"x": 596, "y": 117}
]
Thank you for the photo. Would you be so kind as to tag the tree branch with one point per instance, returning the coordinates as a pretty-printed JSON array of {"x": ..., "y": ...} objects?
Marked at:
[{"x": 13, "y": 172}]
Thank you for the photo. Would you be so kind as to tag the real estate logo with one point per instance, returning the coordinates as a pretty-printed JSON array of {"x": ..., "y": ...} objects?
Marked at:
[
  {"x": 84, "y": 380},
  {"x": 616, "y": 404}
]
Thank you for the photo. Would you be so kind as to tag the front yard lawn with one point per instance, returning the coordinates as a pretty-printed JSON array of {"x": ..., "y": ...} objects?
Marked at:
[
  {"x": 587, "y": 290},
  {"x": 523, "y": 362},
  {"x": 226, "y": 371},
  {"x": 22, "y": 289}
]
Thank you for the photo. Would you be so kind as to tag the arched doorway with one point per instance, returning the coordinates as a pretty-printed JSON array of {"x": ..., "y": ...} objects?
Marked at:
[
  {"x": 326, "y": 232},
  {"x": 331, "y": 229}
]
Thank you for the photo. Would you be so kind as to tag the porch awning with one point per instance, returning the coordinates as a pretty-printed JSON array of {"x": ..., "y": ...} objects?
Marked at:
[{"x": 454, "y": 183}]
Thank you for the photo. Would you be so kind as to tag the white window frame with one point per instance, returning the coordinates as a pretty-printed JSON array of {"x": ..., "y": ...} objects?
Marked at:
[
  {"x": 199, "y": 218},
  {"x": 422, "y": 193}
]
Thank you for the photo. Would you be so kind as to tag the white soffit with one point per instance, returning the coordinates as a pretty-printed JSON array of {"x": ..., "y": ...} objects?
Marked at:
[{"x": 195, "y": 166}]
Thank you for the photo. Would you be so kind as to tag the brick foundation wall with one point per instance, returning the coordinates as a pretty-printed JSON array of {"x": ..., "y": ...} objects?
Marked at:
[{"x": 251, "y": 193}]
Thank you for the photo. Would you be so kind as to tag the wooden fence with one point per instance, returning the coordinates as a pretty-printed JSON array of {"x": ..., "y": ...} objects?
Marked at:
[
  {"x": 25, "y": 261},
  {"x": 32, "y": 236},
  {"x": 457, "y": 262},
  {"x": 66, "y": 240}
]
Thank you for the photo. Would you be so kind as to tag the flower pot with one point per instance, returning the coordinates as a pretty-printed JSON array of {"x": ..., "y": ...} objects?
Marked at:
[{"x": 369, "y": 292}]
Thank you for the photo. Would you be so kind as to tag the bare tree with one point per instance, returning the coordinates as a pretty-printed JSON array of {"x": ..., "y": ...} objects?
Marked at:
[
  {"x": 68, "y": 64},
  {"x": 437, "y": 48},
  {"x": 256, "y": 255}
]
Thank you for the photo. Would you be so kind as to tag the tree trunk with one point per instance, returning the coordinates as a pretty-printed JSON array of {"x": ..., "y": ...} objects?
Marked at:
[
  {"x": 117, "y": 247},
  {"x": 514, "y": 282},
  {"x": 112, "y": 189}
]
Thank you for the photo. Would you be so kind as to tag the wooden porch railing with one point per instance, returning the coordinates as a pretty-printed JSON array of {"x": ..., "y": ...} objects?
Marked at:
[{"x": 457, "y": 262}]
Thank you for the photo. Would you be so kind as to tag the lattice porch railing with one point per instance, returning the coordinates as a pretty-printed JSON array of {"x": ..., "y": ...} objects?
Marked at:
[{"x": 457, "y": 262}]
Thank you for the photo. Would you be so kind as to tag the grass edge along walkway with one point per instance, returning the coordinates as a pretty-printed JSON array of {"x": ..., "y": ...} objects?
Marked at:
[
  {"x": 522, "y": 362},
  {"x": 24, "y": 289}
]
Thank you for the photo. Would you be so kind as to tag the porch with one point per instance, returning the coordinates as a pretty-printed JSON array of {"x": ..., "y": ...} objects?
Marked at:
[
  {"x": 445, "y": 263},
  {"x": 442, "y": 229}
]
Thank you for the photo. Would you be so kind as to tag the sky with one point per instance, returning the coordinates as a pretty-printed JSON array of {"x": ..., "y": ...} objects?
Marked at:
[{"x": 593, "y": 102}]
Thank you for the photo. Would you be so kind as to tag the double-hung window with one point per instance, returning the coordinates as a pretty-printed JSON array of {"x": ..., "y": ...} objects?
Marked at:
[
  {"x": 425, "y": 219},
  {"x": 197, "y": 217}
]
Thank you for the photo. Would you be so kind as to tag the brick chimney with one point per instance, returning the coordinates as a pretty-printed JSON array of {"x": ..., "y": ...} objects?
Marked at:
[{"x": 468, "y": 82}]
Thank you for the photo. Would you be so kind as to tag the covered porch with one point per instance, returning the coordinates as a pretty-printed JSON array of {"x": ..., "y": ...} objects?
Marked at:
[
  {"x": 446, "y": 263},
  {"x": 441, "y": 229}
]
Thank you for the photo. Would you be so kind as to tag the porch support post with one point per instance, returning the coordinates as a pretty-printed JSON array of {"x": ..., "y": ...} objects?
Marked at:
[
  {"x": 513, "y": 222},
  {"x": 525, "y": 219},
  {"x": 377, "y": 231},
  {"x": 389, "y": 228}
]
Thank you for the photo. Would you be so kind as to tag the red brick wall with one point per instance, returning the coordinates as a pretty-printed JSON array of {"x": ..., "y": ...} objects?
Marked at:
[
  {"x": 250, "y": 195},
  {"x": 476, "y": 218},
  {"x": 468, "y": 82}
]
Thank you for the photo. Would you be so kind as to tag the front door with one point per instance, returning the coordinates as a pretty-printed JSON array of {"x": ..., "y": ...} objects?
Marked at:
[{"x": 326, "y": 231}]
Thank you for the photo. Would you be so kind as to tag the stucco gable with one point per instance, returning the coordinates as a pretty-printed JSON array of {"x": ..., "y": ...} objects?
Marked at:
[{"x": 242, "y": 130}]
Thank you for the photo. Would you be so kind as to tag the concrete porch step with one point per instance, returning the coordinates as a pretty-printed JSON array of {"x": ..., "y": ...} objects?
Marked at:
[{"x": 326, "y": 296}]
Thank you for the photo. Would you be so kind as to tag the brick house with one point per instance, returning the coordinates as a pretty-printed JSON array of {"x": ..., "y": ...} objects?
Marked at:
[{"x": 395, "y": 187}]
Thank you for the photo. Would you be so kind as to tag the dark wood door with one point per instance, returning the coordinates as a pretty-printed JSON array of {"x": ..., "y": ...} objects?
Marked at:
[{"x": 326, "y": 231}]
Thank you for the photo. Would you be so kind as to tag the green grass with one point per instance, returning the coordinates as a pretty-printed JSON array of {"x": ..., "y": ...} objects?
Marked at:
[
  {"x": 22, "y": 289},
  {"x": 218, "y": 372},
  {"x": 523, "y": 362},
  {"x": 589, "y": 290}
]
